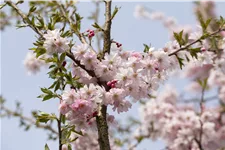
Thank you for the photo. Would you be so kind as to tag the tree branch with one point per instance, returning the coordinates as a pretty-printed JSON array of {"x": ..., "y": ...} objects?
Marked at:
[
  {"x": 63, "y": 11},
  {"x": 196, "y": 41},
  {"x": 25, "y": 20},
  {"x": 59, "y": 131},
  {"x": 96, "y": 15},
  {"x": 199, "y": 141},
  {"x": 24, "y": 17},
  {"x": 195, "y": 100},
  {"x": 103, "y": 137},
  {"x": 107, "y": 29},
  {"x": 30, "y": 120}
]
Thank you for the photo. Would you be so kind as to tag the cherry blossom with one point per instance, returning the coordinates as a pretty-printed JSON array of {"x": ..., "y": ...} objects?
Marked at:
[
  {"x": 33, "y": 64},
  {"x": 54, "y": 43}
]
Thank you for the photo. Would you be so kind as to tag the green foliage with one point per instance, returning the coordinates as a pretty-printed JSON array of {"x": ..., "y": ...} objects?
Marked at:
[
  {"x": 179, "y": 38},
  {"x": 67, "y": 33},
  {"x": 66, "y": 134},
  {"x": 95, "y": 25},
  {"x": 2, "y": 100},
  {"x": 118, "y": 142},
  {"x": 40, "y": 24},
  {"x": 147, "y": 48},
  {"x": 2, "y": 5},
  {"x": 139, "y": 138},
  {"x": 221, "y": 22},
  {"x": 194, "y": 51},
  {"x": 115, "y": 12},
  {"x": 48, "y": 94},
  {"x": 180, "y": 61},
  {"x": 55, "y": 18},
  {"x": 69, "y": 147},
  {"x": 204, "y": 24},
  {"x": 203, "y": 83},
  {"x": 44, "y": 117},
  {"x": 21, "y": 26},
  {"x": 76, "y": 26},
  {"x": 46, "y": 147},
  {"x": 32, "y": 9}
]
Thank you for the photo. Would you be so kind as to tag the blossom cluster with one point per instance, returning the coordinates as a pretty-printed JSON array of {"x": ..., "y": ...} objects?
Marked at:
[
  {"x": 129, "y": 75},
  {"x": 54, "y": 42},
  {"x": 209, "y": 66},
  {"x": 89, "y": 141},
  {"x": 80, "y": 106},
  {"x": 182, "y": 126}
]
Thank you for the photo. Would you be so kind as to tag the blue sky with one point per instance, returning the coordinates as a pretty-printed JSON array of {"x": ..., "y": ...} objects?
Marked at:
[{"x": 16, "y": 85}]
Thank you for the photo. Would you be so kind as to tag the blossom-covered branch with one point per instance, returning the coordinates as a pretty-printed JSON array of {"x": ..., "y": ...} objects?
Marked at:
[{"x": 196, "y": 41}]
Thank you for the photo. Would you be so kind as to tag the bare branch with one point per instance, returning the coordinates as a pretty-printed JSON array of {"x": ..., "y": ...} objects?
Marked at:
[
  {"x": 31, "y": 121},
  {"x": 107, "y": 29}
]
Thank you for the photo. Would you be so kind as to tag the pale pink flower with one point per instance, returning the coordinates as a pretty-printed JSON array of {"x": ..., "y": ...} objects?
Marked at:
[
  {"x": 32, "y": 64},
  {"x": 54, "y": 43},
  {"x": 63, "y": 108}
]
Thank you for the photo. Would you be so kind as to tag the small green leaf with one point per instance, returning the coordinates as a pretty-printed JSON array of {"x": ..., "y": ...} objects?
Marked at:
[
  {"x": 44, "y": 117},
  {"x": 53, "y": 85},
  {"x": 3, "y": 5},
  {"x": 32, "y": 9},
  {"x": 47, "y": 91},
  {"x": 63, "y": 119},
  {"x": 95, "y": 25},
  {"x": 179, "y": 37},
  {"x": 78, "y": 21},
  {"x": 40, "y": 51},
  {"x": 47, "y": 97},
  {"x": 204, "y": 24},
  {"x": 46, "y": 147},
  {"x": 67, "y": 33},
  {"x": 33, "y": 20},
  {"x": 19, "y": 2},
  {"x": 62, "y": 58},
  {"x": 69, "y": 147},
  {"x": 41, "y": 96},
  {"x": 180, "y": 61},
  {"x": 203, "y": 83},
  {"x": 221, "y": 22},
  {"x": 146, "y": 49},
  {"x": 208, "y": 22},
  {"x": 57, "y": 86},
  {"x": 21, "y": 26},
  {"x": 115, "y": 12},
  {"x": 140, "y": 138},
  {"x": 194, "y": 51}
]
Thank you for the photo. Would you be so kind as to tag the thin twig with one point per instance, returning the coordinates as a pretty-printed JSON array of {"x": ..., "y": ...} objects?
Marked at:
[
  {"x": 107, "y": 30},
  {"x": 63, "y": 11},
  {"x": 96, "y": 16},
  {"x": 199, "y": 142},
  {"x": 30, "y": 120},
  {"x": 195, "y": 100},
  {"x": 59, "y": 131},
  {"x": 24, "y": 17},
  {"x": 196, "y": 41},
  {"x": 70, "y": 55}
]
